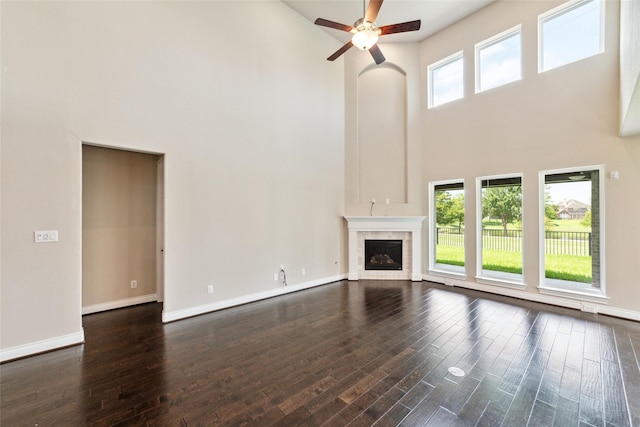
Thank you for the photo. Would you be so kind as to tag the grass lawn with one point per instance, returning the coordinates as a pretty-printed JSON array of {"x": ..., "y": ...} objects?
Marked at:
[
  {"x": 566, "y": 225},
  {"x": 568, "y": 267},
  {"x": 562, "y": 267},
  {"x": 509, "y": 262},
  {"x": 451, "y": 255}
]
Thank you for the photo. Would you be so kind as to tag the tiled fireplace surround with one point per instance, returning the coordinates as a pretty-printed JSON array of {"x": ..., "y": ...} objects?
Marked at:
[{"x": 405, "y": 228}]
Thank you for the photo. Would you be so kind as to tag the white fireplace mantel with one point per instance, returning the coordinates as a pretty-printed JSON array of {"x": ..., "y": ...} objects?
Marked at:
[{"x": 368, "y": 224}]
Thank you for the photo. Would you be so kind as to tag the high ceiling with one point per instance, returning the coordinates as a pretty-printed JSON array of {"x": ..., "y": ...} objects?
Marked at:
[{"x": 435, "y": 14}]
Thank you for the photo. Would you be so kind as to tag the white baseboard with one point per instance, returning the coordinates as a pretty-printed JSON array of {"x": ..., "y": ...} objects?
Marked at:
[
  {"x": 42, "y": 346},
  {"x": 170, "y": 316},
  {"x": 620, "y": 312},
  {"x": 576, "y": 304},
  {"x": 111, "y": 305}
]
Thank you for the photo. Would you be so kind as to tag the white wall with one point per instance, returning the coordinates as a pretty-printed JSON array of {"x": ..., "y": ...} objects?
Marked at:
[
  {"x": 398, "y": 180},
  {"x": 239, "y": 98}
]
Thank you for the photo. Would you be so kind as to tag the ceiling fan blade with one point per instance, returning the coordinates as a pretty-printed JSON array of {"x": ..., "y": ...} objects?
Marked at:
[
  {"x": 372, "y": 10},
  {"x": 400, "y": 28},
  {"x": 331, "y": 24},
  {"x": 377, "y": 54},
  {"x": 340, "y": 51}
]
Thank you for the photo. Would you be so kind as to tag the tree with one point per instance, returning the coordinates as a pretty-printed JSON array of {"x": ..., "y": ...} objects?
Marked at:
[
  {"x": 586, "y": 220},
  {"x": 457, "y": 209},
  {"x": 550, "y": 209},
  {"x": 449, "y": 209},
  {"x": 503, "y": 203},
  {"x": 444, "y": 203}
]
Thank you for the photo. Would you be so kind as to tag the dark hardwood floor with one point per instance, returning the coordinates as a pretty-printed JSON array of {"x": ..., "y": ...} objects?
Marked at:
[{"x": 349, "y": 353}]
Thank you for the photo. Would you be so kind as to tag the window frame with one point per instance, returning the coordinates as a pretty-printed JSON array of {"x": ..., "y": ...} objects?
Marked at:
[
  {"x": 558, "y": 11},
  {"x": 438, "y": 64},
  {"x": 434, "y": 267},
  {"x": 491, "y": 41},
  {"x": 566, "y": 288},
  {"x": 510, "y": 280}
]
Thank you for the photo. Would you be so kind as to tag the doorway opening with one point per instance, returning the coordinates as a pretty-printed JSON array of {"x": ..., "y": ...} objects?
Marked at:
[{"x": 122, "y": 228}]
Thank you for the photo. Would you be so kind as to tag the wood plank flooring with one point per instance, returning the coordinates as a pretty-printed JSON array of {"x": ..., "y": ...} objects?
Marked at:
[{"x": 349, "y": 353}]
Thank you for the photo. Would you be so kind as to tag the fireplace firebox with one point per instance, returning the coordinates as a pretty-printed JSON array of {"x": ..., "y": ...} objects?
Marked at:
[{"x": 383, "y": 254}]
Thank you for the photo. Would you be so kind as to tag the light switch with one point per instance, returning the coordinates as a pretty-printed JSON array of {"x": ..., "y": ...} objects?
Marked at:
[{"x": 46, "y": 236}]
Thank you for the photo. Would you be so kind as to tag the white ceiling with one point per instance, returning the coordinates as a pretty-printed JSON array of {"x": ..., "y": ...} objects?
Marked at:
[{"x": 435, "y": 14}]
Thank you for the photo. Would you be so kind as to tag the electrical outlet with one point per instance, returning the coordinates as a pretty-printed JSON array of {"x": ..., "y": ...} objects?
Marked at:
[
  {"x": 210, "y": 289},
  {"x": 134, "y": 284},
  {"x": 276, "y": 277},
  {"x": 304, "y": 271}
]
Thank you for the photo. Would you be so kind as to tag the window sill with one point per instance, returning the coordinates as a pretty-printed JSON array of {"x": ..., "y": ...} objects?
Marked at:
[
  {"x": 507, "y": 280},
  {"x": 587, "y": 294},
  {"x": 446, "y": 270}
]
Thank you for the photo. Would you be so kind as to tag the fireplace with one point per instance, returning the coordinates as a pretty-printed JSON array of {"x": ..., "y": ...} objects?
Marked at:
[
  {"x": 407, "y": 229},
  {"x": 383, "y": 254}
]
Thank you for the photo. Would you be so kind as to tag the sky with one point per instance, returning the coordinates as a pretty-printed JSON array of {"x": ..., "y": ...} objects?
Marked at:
[{"x": 580, "y": 191}]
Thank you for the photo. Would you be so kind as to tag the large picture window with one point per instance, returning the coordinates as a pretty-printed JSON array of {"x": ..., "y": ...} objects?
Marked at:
[
  {"x": 500, "y": 229},
  {"x": 447, "y": 225},
  {"x": 571, "y": 242},
  {"x": 569, "y": 33}
]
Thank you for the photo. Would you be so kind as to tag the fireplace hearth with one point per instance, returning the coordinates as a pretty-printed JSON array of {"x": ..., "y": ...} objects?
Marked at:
[{"x": 383, "y": 254}]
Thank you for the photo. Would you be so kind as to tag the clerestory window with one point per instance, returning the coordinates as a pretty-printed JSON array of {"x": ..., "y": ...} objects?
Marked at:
[
  {"x": 445, "y": 80},
  {"x": 569, "y": 33},
  {"x": 499, "y": 60}
]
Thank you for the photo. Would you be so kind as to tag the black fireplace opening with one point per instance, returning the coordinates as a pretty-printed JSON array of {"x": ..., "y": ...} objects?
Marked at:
[{"x": 383, "y": 254}]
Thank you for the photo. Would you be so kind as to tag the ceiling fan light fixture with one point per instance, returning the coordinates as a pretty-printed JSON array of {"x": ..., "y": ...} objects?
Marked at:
[{"x": 366, "y": 35}]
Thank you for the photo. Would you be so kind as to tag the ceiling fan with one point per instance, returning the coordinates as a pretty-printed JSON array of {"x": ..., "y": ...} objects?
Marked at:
[{"x": 366, "y": 33}]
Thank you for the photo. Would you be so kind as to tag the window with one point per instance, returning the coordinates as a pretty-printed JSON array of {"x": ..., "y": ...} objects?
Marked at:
[
  {"x": 446, "y": 80},
  {"x": 500, "y": 229},
  {"x": 572, "y": 32},
  {"x": 447, "y": 225},
  {"x": 499, "y": 60},
  {"x": 571, "y": 250}
]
